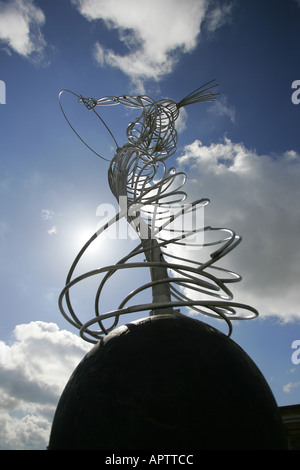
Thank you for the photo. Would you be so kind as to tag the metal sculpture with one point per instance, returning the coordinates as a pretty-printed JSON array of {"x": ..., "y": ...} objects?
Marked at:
[{"x": 152, "y": 202}]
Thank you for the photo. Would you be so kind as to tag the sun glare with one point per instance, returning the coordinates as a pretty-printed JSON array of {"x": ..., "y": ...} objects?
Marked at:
[
  {"x": 82, "y": 237},
  {"x": 108, "y": 246}
]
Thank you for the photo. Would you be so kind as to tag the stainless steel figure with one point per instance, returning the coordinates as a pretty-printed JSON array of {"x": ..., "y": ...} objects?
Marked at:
[{"x": 154, "y": 206}]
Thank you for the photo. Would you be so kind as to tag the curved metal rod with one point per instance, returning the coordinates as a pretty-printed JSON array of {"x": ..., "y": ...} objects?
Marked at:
[{"x": 80, "y": 98}]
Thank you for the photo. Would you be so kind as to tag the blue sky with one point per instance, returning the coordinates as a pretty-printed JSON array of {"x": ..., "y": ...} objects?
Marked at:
[{"x": 242, "y": 152}]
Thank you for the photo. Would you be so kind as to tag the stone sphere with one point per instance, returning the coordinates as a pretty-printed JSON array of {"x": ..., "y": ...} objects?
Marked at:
[{"x": 167, "y": 382}]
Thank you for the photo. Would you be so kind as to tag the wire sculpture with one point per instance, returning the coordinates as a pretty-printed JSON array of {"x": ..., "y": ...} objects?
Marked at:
[{"x": 154, "y": 207}]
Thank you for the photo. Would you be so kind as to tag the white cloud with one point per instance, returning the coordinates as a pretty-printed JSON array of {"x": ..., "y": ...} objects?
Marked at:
[
  {"x": 53, "y": 230},
  {"x": 34, "y": 370},
  {"x": 153, "y": 31},
  {"x": 20, "y": 27},
  {"x": 291, "y": 386},
  {"x": 221, "y": 107},
  {"x": 258, "y": 197},
  {"x": 180, "y": 123},
  {"x": 219, "y": 15},
  {"x": 47, "y": 214}
]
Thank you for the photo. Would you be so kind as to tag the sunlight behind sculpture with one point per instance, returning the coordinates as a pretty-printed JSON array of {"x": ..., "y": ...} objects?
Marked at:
[{"x": 152, "y": 202}]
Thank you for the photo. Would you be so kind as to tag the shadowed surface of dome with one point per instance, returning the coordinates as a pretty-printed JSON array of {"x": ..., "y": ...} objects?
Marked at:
[{"x": 167, "y": 382}]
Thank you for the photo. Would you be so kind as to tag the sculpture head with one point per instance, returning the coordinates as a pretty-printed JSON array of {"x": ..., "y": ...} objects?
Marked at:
[{"x": 153, "y": 132}]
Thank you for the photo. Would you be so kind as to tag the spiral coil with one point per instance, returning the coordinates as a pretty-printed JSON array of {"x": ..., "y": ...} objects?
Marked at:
[{"x": 168, "y": 236}]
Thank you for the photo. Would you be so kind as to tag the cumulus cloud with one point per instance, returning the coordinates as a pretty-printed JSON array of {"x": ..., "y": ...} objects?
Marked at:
[
  {"x": 258, "y": 197},
  {"x": 34, "y": 370},
  {"x": 154, "y": 32},
  {"x": 20, "y": 27}
]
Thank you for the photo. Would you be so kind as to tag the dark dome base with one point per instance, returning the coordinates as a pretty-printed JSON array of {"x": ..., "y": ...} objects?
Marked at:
[{"x": 167, "y": 382}]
